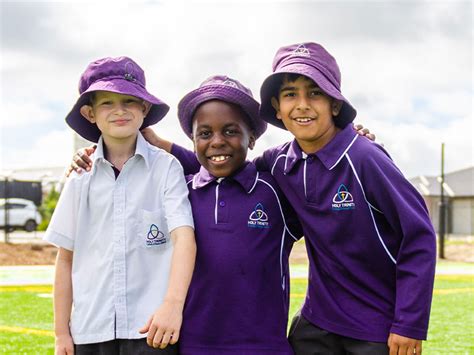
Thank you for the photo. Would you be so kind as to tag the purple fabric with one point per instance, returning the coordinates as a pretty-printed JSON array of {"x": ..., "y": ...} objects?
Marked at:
[
  {"x": 119, "y": 75},
  {"x": 370, "y": 242},
  {"x": 238, "y": 298},
  {"x": 313, "y": 61},
  {"x": 220, "y": 87}
]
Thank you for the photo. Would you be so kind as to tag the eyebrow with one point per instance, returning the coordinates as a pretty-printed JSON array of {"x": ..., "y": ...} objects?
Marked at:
[{"x": 292, "y": 88}]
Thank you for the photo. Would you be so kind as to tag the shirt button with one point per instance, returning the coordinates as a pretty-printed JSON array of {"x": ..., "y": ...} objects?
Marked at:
[
  {"x": 222, "y": 203},
  {"x": 119, "y": 210}
]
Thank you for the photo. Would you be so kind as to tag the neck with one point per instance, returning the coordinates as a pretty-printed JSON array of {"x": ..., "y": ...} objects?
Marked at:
[
  {"x": 314, "y": 146},
  {"x": 118, "y": 151}
]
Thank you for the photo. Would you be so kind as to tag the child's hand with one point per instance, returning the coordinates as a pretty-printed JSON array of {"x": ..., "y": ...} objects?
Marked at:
[
  {"x": 163, "y": 327},
  {"x": 64, "y": 345},
  {"x": 364, "y": 132},
  {"x": 402, "y": 345},
  {"x": 150, "y": 136},
  {"x": 81, "y": 160}
]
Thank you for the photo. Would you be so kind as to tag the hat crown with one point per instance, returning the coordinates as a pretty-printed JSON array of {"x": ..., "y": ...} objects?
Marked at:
[
  {"x": 223, "y": 80},
  {"x": 312, "y": 54},
  {"x": 111, "y": 68}
]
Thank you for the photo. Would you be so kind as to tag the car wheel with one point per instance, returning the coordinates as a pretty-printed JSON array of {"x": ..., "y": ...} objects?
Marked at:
[{"x": 30, "y": 225}]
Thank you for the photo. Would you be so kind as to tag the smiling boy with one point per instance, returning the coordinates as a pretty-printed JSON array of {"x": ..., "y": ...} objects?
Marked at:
[
  {"x": 124, "y": 229},
  {"x": 370, "y": 242}
]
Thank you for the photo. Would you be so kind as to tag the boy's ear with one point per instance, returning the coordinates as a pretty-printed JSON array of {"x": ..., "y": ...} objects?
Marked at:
[
  {"x": 252, "y": 141},
  {"x": 87, "y": 112},
  {"x": 146, "y": 108},
  {"x": 276, "y": 106},
  {"x": 336, "y": 107}
]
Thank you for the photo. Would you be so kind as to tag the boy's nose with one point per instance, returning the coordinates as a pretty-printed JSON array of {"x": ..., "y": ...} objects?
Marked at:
[
  {"x": 120, "y": 108},
  {"x": 302, "y": 103},
  {"x": 217, "y": 140}
]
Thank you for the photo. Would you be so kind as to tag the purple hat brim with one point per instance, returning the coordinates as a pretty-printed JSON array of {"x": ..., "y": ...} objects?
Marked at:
[
  {"x": 189, "y": 103},
  {"x": 89, "y": 130},
  {"x": 272, "y": 83}
]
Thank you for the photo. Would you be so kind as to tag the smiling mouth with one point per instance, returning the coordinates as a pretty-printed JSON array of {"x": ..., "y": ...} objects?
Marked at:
[
  {"x": 219, "y": 158},
  {"x": 304, "y": 119}
]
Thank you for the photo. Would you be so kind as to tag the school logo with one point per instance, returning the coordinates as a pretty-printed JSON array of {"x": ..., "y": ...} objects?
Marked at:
[
  {"x": 229, "y": 82},
  {"x": 258, "y": 218},
  {"x": 130, "y": 72},
  {"x": 343, "y": 199},
  {"x": 155, "y": 236},
  {"x": 301, "y": 51}
]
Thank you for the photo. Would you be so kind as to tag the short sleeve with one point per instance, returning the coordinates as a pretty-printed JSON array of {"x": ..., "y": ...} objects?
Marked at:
[
  {"x": 178, "y": 211},
  {"x": 61, "y": 231}
]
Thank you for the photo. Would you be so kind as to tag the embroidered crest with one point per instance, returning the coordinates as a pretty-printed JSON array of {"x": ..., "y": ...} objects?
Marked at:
[{"x": 343, "y": 199}]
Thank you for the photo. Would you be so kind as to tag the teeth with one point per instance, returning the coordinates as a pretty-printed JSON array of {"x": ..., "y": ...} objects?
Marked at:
[
  {"x": 303, "y": 119},
  {"x": 219, "y": 157}
]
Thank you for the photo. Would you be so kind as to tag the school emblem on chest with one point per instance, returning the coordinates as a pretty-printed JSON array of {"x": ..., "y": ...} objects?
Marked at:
[
  {"x": 258, "y": 217},
  {"x": 343, "y": 199},
  {"x": 155, "y": 236}
]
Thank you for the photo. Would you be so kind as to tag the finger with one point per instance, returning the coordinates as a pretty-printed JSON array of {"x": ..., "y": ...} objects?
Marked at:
[
  {"x": 166, "y": 339},
  {"x": 145, "y": 328},
  {"x": 174, "y": 337},
  {"x": 83, "y": 160},
  {"x": 151, "y": 334},
  {"x": 86, "y": 156},
  {"x": 158, "y": 337},
  {"x": 403, "y": 350},
  {"x": 69, "y": 170},
  {"x": 357, "y": 126},
  {"x": 418, "y": 348},
  {"x": 393, "y": 349},
  {"x": 371, "y": 136}
]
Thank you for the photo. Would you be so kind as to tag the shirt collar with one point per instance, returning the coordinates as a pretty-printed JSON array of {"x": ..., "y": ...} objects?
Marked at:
[
  {"x": 330, "y": 155},
  {"x": 245, "y": 177},
  {"x": 141, "y": 149}
]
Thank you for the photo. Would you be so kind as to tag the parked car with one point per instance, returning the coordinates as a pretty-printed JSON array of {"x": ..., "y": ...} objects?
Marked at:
[{"x": 22, "y": 214}]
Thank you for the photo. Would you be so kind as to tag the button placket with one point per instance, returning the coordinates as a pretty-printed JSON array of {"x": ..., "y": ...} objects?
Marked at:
[{"x": 119, "y": 255}]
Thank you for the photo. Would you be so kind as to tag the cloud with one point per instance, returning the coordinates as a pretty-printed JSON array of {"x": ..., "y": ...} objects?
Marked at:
[
  {"x": 52, "y": 149},
  {"x": 406, "y": 65}
]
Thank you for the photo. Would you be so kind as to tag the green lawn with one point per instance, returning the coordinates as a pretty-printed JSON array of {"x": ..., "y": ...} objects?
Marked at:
[{"x": 26, "y": 317}]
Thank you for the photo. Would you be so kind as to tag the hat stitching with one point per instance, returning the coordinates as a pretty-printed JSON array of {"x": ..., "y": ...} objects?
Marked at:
[{"x": 301, "y": 51}]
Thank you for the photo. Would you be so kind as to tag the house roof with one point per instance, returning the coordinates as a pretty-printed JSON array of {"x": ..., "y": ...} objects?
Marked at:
[{"x": 458, "y": 183}]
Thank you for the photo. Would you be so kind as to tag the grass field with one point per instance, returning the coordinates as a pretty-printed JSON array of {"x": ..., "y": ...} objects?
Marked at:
[{"x": 26, "y": 317}]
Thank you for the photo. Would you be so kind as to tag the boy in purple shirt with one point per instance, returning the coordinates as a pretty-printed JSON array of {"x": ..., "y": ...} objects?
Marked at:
[
  {"x": 370, "y": 242},
  {"x": 238, "y": 298}
]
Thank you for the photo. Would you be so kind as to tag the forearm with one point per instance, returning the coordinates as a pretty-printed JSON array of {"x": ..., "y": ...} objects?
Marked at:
[
  {"x": 182, "y": 264},
  {"x": 63, "y": 292}
]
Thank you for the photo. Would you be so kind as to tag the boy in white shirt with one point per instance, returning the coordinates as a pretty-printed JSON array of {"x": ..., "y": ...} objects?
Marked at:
[{"x": 124, "y": 229}]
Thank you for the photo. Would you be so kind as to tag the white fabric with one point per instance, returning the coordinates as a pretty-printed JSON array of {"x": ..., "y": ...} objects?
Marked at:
[{"x": 121, "y": 262}]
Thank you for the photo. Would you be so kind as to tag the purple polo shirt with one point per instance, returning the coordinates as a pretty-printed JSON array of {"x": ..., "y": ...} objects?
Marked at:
[
  {"x": 238, "y": 299},
  {"x": 369, "y": 238}
]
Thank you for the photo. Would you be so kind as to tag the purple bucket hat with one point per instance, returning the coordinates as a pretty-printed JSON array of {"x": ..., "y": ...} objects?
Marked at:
[
  {"x": 120, "y": 75},
  {"x": 220, "y": 87},
  {"x": 313, "y": 61}
]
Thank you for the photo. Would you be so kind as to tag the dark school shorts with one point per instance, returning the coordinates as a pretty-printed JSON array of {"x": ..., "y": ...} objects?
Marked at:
[
  {"x": 307, "y": 339},
  {"x": 123, "y": 347}
]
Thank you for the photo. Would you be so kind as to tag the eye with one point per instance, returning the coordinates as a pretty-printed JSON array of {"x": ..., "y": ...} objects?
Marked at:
[
  {"x": 132, "y": 101},
  {"x": 316, "y": 92},
  {"x": 105, "y": 103},
  {"x": 288, "y": 94},
  {"x": 231, "y": 132},
  {"x": 204, "y": 134}
]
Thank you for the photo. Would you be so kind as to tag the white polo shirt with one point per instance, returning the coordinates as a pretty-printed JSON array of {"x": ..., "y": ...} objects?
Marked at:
[{"x": 119, "y": 231}]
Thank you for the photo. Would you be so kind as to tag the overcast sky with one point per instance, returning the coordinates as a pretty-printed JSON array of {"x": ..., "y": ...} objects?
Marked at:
[{"x": 406, "y": 66}]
